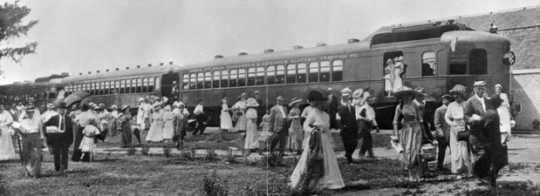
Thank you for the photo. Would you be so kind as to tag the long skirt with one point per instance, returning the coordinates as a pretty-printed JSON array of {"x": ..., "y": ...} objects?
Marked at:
[
  {"x": 460, "y": 153},
  {"x": 331, "y": 178},
  {"x": 296, "y": 135},
  {"x": 252, "y": 135},
  {"x": 168, "y": 130},
  {"x": 6, "y": 145},
  {"x": 126, "y": 134},
  {"x": 113, "y": 127},
  {"x": 225, "y": 120},
  {"x": 31, "y": 154},
  {"x": 504, "y": 117},
  {"x": 87, "y": 144},
  {"x": 155, "y": 134},
  {"x": 411, "y": 140},
  {"x": 241, "y": 124}
]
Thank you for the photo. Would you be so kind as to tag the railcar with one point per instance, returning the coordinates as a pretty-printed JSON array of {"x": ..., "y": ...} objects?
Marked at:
[{"x": 435, "y": 56}]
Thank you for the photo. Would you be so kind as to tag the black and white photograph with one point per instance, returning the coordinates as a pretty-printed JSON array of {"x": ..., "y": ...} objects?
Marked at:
[{"x": 270, "y": 97}]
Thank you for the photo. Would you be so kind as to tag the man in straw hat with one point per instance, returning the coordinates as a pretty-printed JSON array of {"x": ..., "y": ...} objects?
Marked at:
[
  {"x": 31, "y": 133},
  {"x": 443, "y": 130},
  {"x": 278, "y": 125},
  {"x": 348, "y": 133},
  {"x": 59, "y": 132}
]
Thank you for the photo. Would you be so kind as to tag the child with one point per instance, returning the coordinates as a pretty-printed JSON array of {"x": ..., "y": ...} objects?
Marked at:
[
  {"x": 265, "y": 135},
  {"x": 87, "y": 144}
]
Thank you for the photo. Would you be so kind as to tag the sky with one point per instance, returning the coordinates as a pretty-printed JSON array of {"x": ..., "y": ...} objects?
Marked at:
[{"x": 82, "y": 36}]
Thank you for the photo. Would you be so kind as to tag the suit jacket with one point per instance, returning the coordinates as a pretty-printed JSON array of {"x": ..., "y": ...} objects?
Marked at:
[
  {"x": 278, "y": 123},
  {"x": 59, "y": 139},
  {"x": 349, "y": 126},
  {"x": 334, "y": 104},
  {"x": 490, "y": 133},
  {"x": 474, "y": 106},
  {"x": 440, "y": 123}
]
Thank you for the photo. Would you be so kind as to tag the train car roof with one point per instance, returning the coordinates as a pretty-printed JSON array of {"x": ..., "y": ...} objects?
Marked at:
[{"x": 158, "y": 69}]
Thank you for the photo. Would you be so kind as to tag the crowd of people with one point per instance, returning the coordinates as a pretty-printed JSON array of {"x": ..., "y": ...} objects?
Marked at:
[{"x": 475, "y": 130}]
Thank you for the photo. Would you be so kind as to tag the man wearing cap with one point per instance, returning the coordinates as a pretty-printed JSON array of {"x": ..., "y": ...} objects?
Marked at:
[
  {"x": 443, "y": 130},
  {"x": 31, "y": 134},
  {"x": 82, "y": 120},
  {"x": 332, "y": 108},
  {"x": 278, "y": 125},
  {"x": 261, "y": 110},
  {"x": 421, "y": 103},
  {"x": 200, "y": 116},
  {"x": 349, "y": 133},
  {"x": 59, "y": 132}
]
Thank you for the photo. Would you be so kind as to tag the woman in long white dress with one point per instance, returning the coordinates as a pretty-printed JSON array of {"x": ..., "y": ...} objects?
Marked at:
[
  {"x": 399, "y": 68},
  {"x": 317, "y": 128},
  {"x": 6, "y": 145},
  {"x": 225, "y": 117},
  {"x": 240, "y": 109},
  {"x": 252, "y": 134},
  {"x": 459, "y": 151},
  {"x": 155, "y": 134},
  {"x": 504, "y": 114},
  {"x": 168, "y": 128}
]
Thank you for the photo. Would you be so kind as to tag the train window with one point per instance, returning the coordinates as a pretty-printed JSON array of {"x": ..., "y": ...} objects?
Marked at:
[
  {"x": 200, "y": 80},
  {"x": 291, "y": 73},
  {"x": 325, "y": 72},
  {"x": 208, "y": 80},
  {"x": 394, "y": 70},
  {"x": 193, "y": 81},
  {"x": 260, "y": 76},
  {"x": 151, "y": 84},
  {"x": 107, "y": 88},
  {"x": 224, "y": 78},
  {"x": 302, "y": 70},
  {"x": 158, "y": 83},
  {"x": 122, "y": 86},
  {"x": 313, "y": 71},
  {"x": 337, "y": 70},
  {"x": 429, "y": 64},
  {"x": 458, "y": 68},
  {"x": 251, "y": 76},
  {"x": 128, "y": 86},
  {"x": 185, "y": 81},
  {"x": 234, "y": 75},
  {"x": 241, "y": 77},
  {"x": 280, "y": 74},
  {"x": 133, "y": 86},
  {"x": 215, "y": 81},
  {"x": 98, "y": 89},
  {"x": 478, "y": 62},
  {"x": 139, "y": 85},
  {"x": 270, "y": 75},
  {"x": 145, "y": 85}
]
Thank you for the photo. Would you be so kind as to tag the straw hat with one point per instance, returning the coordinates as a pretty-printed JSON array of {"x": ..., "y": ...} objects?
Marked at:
[
  {"x": 279, "y": 98},
  {"x": 446, "y": 96},
  {"x": 241, "y": 95},
  {"x": 420, "y": 91},
  {"x": 125, "y": 107},
  {"x": 140, "y": 99},
  {"x": 498, "y": 85},
  {"x": 114, "y": 107},
  {"x": 293, "y": 101},
  {"x": 346, "y": 92},
  {"x": 479, "y": 84},
  {"x": 168, "y": 108},
  {"x": 251, "y": 103},
  {"x": 405, "y": 91}
]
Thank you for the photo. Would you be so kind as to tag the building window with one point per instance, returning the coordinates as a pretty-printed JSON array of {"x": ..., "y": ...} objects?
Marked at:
[
  {"x": 241, "y": 77},
  {"x": 302, "y": 71},
  {"x": 291, "y": 73},
  {"x": 478, "y": 62},
  {"x": 234, "y": 76},
  {"x": 313, "y": 71},
  {"x": 185, "y": 81},
  {"x": 325, "y": 72},
  {"x": 193, "y": 81},
  {"x": 429, "y": 64},
  {"x": 215, "y": 81},
  {"x": 271, "y": 75},
  {"x": 260, "y": 76},
  {"x": 337, "y": 70},
  {"x": 208, "y": 80},
  {"x": 251, "y": 76},
  {"x": 224, "y": 78}
]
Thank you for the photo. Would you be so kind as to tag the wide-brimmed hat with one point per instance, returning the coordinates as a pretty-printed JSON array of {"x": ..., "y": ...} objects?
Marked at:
[
  {"x": 279, "y": 97},
  {"x": 498, "y": 85},
  {"x": 316, "y": 96},
  {"x": 405, "y": 90},
  {"x": 61, "y": 105},
  {"x": 125, "y": 107},
  {"x": 30, "y": 108},
  {"x": 479, "y": 84},
  {"x": 293, "y": 101},
  {"x": 446, "y": 96},
  {"x": 157, "y": 104},
  {"x": 175, "y": 104},
  {"x": 251, "y": 102},
  {"x": 114, "y": 107},
  {"x": 101, "y": 105},
  {"x": 459, "y": 89},
  {"x": 346, "y": 92},
  {"x": 140, "y": 99},
  {"x": 243, "y": 94},
  {"x": 181, "y": 104},
  {"x": 365, "y": 96},
  {"x": 420, "y": 91},
  {"x": 357, "y": 94}
]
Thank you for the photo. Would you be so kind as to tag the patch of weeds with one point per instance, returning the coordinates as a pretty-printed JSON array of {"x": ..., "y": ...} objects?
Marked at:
[
  {"x": 274, "y": 186},
  {"x": 167, "y": 151},
  {"x": 505, "y": 190},
  {"x": 187, "y": 154},
  {"x": 271, "y": 160},
  {"x": 145, "y": 150},
  {"x": 211, "y": 155},
  {"x": 516, "y": 166},
  {"x": 131, "y": 151},
  {"x": 213, "y": 186},
  {"x": 230, "y": 158},
  {"x": 246, "y": 153}
]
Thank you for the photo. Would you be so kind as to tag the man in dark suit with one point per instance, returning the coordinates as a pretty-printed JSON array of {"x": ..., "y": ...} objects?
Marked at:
[
  {"x": 261, "y": 110},
  {"x": 443, "y": 130},
  {"x": 59, "y": 132},
  {"x": 348, "y": 133},
  {"x": 278, "y": 125},
  {"x": 332, "y": 108}
]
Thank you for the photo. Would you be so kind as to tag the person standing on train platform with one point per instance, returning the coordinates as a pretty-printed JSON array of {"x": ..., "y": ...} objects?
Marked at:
[
  {"x": 261, "y": 110},
  {"x": 278, "y": 125},
  {"x": 225, "y": 122},
  {"x": 239, "y": 109},
  {"x": 332, "y": 107},
  {"x": 113, "y": 122},
  {"x": 125, "y": 125},
  {"x": 349, "y": 128},
  {"x": 155, "y": 133},
  {"x": 168, "y": 128},
  {"x": 504, "y": 115},
  {"x": 421, "y": 104},
  {"x": 59, "y": 132},
  {"x": 365, "y": 116},
  {"x": 180, "y": 123},
  {"x": 443, "y": 131},
  {"x": 103, "y": 118},
  {"x": 82, "y": 120},
  {"x": 459, "y": 147},
  {"x": 147, "y": 112},
  {"x": 296, "y": 131},
  {"x": 252, "y": 134},
  {"x": 31, "y": 132},
  {"x": 7, "y": 149},
  {"x": 200, "y": 117},
  {"x": 48, "y": 113}
]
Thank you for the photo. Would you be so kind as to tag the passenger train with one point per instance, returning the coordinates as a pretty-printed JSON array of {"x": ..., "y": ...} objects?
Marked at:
[{"x": 434, "y": 55}]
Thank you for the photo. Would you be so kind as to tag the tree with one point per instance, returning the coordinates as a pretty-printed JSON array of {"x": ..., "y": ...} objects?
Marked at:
[{"x": 11, "y": 26}]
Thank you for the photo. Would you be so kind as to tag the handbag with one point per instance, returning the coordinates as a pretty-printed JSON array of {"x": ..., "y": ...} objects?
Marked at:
[{"x": 463, "y": 135}]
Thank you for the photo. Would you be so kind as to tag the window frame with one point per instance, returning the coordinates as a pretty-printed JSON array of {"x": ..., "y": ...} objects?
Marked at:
[
  {"x": 322, "y": 74},
  {"x": 271, "y": 75},
  {"x": 424, "y": 62},
  {"x": 334, "y": 73},
  {"x": 311, "y": 76},
  {"x": 216, "y": 79}
]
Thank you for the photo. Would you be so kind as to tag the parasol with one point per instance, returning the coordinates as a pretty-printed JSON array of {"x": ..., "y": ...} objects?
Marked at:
[{"x": 76, "y": 98}]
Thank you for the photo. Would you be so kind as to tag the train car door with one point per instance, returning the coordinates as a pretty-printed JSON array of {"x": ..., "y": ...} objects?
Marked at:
[{"x": 170, "y": 86}]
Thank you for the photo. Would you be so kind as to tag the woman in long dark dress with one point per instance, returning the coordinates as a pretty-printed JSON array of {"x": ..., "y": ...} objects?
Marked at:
[{"x": 125, "y": 119}]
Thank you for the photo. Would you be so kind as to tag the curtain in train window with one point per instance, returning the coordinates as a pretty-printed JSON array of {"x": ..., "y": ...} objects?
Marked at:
[
  {"x": 302, "y": 71},
  {"x": 291, "y": 73},
  {"x": 271, "y": 75},
  {"x": 241, "y": 77},
  {"x": 224, "y": 78},
  {"x": 139, "y": 85},
  {"x": 313, "y": 71},
  {"x": 151, "y": 84},
  {"x": 337, "y": 70},
  {"x": 429, "y": 64},
  {"x": 234, "y": 76},
  {"x": 200, "y": 80},
  {"x": 215, "y": 81},
  {"x": 478, "y": 62},
  {"x": 193, "y": 81},
  {"x": 260, "y": 76},
  {"x": 325, "y": 72},
  {"x": 208, "y": 80},
  {"x": 185, "y": 81},
  {"x": 251, "y": 76},
  {"x": 158, "y": 83}
]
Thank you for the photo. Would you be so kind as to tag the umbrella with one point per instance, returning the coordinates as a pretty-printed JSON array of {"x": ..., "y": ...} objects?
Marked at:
[{"x": 76, "y": 98}]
